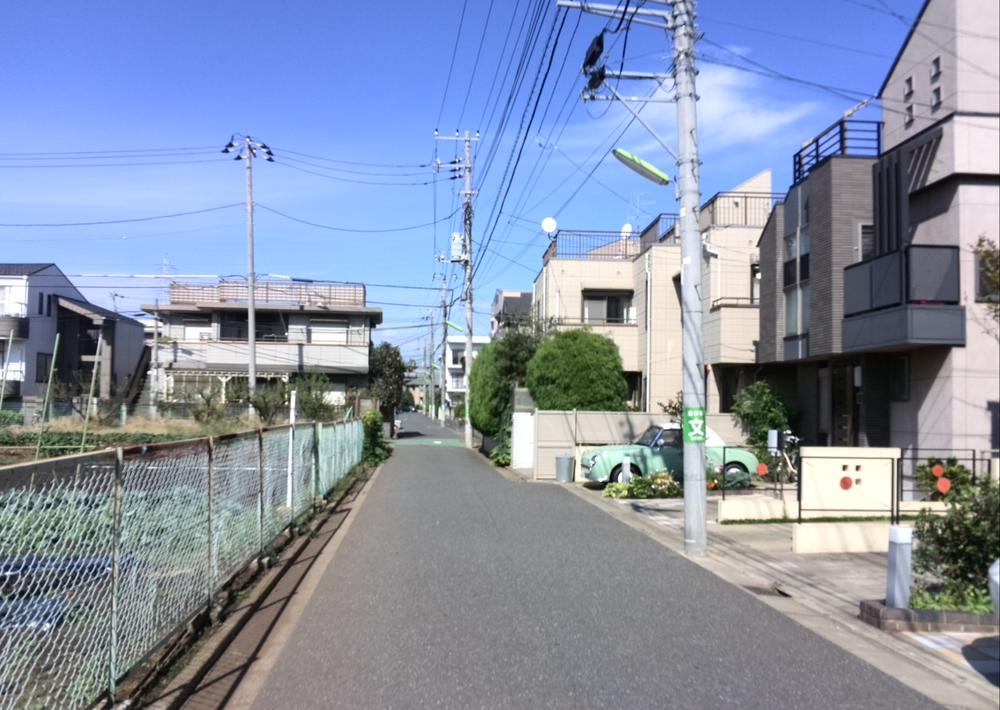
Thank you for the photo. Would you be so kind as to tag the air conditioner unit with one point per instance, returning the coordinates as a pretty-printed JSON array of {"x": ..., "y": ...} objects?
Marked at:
[{"x": 204, "y": 336}]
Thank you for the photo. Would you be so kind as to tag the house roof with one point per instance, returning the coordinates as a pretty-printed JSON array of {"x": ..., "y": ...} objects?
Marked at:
[
  {"x": 22, "y": 269},
  {"x": 902, "y": 48},
  {"x": 374, "y": 313},
  {"x": 89, "y": 310}
]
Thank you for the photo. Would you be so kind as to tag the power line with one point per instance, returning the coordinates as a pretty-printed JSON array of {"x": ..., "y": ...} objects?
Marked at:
[
  {"x": 124, "y": 221},
  {"x": 475, "y": 64},
  {"x": 115, "y": 165},
  {"x": 109, "y": 152},
  {"x": 349, "y": 229},
  {"x": 797, "y": 38},
  {"x": 451, "y": 66},
  {"x": 354, "y": 181},
  {"x": 283, "y": 151}
]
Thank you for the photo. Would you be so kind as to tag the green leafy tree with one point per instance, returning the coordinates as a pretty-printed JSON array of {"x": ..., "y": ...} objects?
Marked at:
[
  {"x": 760, "y": 409},
  {"x": 374, "y": 450},
  {"x": 500, "y": 367},
  {"x": 988, "y": 272},
  {"x": 388, "y": 377},
  {"x": 270, "y": 400},
  {"x": 577, "y": 369}
]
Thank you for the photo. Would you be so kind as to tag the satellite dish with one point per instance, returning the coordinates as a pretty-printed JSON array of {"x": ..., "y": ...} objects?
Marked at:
[
  {"x": 637, "y": 164},
  {"x": 626, "y": 230},
  {"x": 549, "y": 225}
]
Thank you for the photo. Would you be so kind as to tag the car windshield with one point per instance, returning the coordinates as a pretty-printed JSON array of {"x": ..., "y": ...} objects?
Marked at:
[{"x": 648, "y": 436}]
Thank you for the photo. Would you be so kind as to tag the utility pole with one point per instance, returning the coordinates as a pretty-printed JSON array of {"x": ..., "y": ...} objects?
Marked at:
[
  {"x": 156, "y": 355},
  {"x": 247, "y": 151},
  {"x": 444, "y": 347},
  {"x": 676, "y": 16},
  {"x": 466, "y": 259}
]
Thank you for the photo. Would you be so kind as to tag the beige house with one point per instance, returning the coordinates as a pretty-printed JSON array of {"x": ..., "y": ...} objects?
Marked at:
[{"x": 626, "y": 286}]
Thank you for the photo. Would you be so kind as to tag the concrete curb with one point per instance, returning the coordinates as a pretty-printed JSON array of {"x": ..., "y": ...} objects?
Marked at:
[{"x": 876, "y": 613}]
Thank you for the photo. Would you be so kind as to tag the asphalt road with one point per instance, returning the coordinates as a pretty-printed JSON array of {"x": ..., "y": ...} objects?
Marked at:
[{"x": 458, "y": 588}]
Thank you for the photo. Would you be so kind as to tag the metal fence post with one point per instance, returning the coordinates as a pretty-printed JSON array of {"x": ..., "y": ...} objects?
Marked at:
[
  {"x": 290, "y": 474},
  {"x": 116, "y": 539},
  {"x": 798, "y": 489},
  {"x": 260, "y": 489},
  {"x": 317, "y": 461},
  {"x": 210, "y": 441}
]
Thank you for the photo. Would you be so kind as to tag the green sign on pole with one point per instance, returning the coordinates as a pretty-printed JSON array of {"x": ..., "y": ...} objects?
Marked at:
[{"x": 694, "y": 425}]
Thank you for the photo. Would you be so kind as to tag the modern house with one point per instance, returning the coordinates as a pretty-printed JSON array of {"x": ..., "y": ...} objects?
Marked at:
[
  {"x": 509, "y": 308},
  {"x": 37, "y": 302},
  {"x": 301, "y": 327},
  {"x": 872, "y": 302},
  {"x": 626, "y": 286}
]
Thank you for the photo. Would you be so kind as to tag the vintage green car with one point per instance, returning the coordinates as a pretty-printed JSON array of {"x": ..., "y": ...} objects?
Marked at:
[{"x": 660, "y": 449}]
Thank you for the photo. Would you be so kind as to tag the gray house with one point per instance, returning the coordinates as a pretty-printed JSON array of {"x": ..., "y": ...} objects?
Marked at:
[
  {"x": 875, "y": 322},
  {"x": 301, "y": 327}
]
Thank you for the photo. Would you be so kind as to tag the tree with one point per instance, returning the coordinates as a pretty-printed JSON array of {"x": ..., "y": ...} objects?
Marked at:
[
  {"x": 577, "y": 369},
  {"x": 500, "y": 367},
  {"x": 988, "y": 286},
  {"x": 312, "y": 397},
  {"x": 759, "y": 409},
  {"x": 388, "y": 376}
]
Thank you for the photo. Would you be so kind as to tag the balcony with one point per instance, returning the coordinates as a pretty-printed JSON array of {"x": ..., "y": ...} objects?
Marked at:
[
  {"x": 270, "y": 292},
  {"x": 739, "y": 209},
  {"x": 904, "y": 298},
  {"x": 221, "y": 356},
  {"x": 20, "y": 325},
  {"x": 593, "y": 246},
  {"x": 845, "y": 137}
]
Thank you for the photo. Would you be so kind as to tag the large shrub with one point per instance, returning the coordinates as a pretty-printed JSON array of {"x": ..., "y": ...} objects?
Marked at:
[
  {"x": 487, "y": 392},
  {"x": 928, "y": 475},
  {"x": 577, "y": 369},
  {"x": 759, "y": 409},
  {"x": 312, "y": 397},
  {"x": 959, "y": 546},
  {"x": 375, "y": 450}
]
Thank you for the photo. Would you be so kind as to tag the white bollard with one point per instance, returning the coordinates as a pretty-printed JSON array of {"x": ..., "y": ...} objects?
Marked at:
[
  {"x": 995, "y": 587},
  {"x": 626, "y": 474},
  {"x": 900, "y": 568}
]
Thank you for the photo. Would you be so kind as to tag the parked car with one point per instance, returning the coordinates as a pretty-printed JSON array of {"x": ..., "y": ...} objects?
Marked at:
[{"x": 660, "y": 448}]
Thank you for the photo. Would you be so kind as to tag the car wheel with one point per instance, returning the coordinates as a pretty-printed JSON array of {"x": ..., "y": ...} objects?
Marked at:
[
  {"x": 616, "y": 473},
  {"x": 735, "y": 467}
]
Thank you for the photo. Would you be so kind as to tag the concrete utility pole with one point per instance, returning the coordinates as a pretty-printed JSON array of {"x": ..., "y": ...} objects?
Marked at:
[
  {"x": 247, "y": 151},
  {"x": 679, "y": 19},
  {"x": 466, "y": 259},
  {"x": 444, "y": 349}
]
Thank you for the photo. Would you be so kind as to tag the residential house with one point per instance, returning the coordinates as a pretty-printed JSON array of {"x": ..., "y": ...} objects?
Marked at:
[
  {"x": 509, "y": 308},
  {"x": 301, "y": 327},
  {"x": 456, "y": 373},
  {"x": 37, "y": 302},
  {"x": 872, "y": 314}
]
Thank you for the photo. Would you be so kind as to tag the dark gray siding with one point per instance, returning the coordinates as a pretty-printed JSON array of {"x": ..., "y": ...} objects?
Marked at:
[{"x": 772, "y": 312}]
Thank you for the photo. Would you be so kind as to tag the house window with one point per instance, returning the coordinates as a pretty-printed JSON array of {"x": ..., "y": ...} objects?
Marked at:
[
  {"x": 199, "y": 328},
  {"x": 755, "y": 283},
  {"x": 328, "y": 330},
  {"x": 602, "y": 307},
  {"x": 908, "y": 116},
  {"x": 899, "y": 379},
  {"x": 935, "y": 68},
  {"x": 936, "y": 98},
  {"x": 5, "y": 297},
  {"x": 3, "y": 356},
  {"x": 43, "y": 362},
  {"x": 866, "y": 241},
  {"x": 804, "y": 308},
  {"x": 908, "y": 87},
  {"x": 804, "y": 247},
  {"x": 792, "y": 312},
  {"x": 41, "y": 303},
  {"x": 48, "y": 305}
]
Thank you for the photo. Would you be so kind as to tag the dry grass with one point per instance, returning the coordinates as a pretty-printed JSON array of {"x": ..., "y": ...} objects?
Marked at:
[{"x": 146, "y": 425}]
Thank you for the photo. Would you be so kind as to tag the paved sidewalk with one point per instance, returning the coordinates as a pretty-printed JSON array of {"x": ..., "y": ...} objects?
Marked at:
[{"x": 761, "y": 557}]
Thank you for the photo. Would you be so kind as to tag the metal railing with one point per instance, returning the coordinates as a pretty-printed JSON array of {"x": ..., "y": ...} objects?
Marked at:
[
  {"x": 317, "y": 294},
  {"x": 103, "y": 556},
  {"x": 598, "y": 246},
  {"x": 740, "y": 209},
  {"x": 845, "y": 137}
]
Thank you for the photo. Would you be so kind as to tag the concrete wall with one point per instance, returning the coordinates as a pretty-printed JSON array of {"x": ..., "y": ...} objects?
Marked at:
[
  {"x": 130, "y": 342},
  {"x": 772, "y": 306},
  {"x": 964, "y": 36},
  {"x": 280, "y": 357},
  {"x": 570, "y": 433}
]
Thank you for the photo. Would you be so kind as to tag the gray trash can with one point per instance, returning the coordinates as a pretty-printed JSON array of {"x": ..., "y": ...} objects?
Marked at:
[{"x": 564, "y": 468}]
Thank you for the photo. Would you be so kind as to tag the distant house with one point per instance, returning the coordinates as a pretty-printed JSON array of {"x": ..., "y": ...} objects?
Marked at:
[
  {"x": 509, "y": 308},
  {"x": 457, "y": 373},
  {"x": 37, "y": 301},
  {"x": 301, "y": 328}
]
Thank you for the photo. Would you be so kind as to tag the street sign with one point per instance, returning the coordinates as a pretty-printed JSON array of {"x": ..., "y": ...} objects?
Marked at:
[{"x": 694, "y": 425}]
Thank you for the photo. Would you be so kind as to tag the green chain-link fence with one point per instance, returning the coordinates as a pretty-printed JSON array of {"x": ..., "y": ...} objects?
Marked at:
[{"x": 105, "y": 555}]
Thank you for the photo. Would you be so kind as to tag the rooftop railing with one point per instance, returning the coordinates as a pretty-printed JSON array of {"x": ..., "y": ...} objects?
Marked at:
[
  {"x": 309, "y": 294},
  {"x": 845, "y": 137}
]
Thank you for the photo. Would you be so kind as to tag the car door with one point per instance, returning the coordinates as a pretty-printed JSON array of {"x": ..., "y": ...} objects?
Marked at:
[{"x": 668, "y": 452}]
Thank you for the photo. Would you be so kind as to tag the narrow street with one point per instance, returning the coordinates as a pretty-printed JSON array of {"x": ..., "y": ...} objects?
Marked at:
[{"x": 457, "y": 587}]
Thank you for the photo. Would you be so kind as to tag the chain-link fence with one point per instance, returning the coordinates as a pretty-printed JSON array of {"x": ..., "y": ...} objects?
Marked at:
[{"x": 104, "y": 555}]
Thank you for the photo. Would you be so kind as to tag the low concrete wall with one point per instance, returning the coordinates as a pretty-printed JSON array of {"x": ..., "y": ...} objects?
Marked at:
[
  {"x": 766, "y": 507},
  {"x": 832, "y": 538}
]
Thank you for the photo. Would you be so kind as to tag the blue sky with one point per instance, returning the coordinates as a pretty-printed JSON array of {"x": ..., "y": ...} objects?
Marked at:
[{"x": 367, "y": 85}]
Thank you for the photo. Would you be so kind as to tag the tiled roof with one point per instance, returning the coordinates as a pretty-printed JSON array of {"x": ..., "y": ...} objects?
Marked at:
[{"x": 22, "y": 269}]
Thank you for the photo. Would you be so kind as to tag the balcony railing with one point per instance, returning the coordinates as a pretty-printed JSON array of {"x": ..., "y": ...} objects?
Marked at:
[
  {"x": 845, "y": 137},
  {"x": 738, "y": 209},
  {"x": 598, "y": 246},
  {"x": 918, "y": 274},
  {"x": 310, "y": 294}
]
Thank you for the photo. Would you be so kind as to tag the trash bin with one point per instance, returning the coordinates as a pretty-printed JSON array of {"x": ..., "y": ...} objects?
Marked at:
[{"x": 564, "y": 468}]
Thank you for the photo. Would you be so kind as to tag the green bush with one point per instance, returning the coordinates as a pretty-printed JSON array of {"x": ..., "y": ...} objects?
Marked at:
[
  {"x": 500, "y": 455},
  {"x": 971, "y": 599},
  {"x": 959, "y": 546},
  {"x": 959, "y": 476},
  {"x": 270, "y": 401},
  {"x": 488, "y": 392},
  {"x": 659, "y": 485},
  {"x": 577, "y": 369},
  {"x": 375, "y": 450},
  {"x": 759, "y": 410},
  {"x": 312, "y": 392},
  {"x": 8, "y": 418}
]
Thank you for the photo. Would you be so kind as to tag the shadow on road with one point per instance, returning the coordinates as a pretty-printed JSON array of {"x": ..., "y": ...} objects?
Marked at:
[{"x": 983, "y": 655}]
